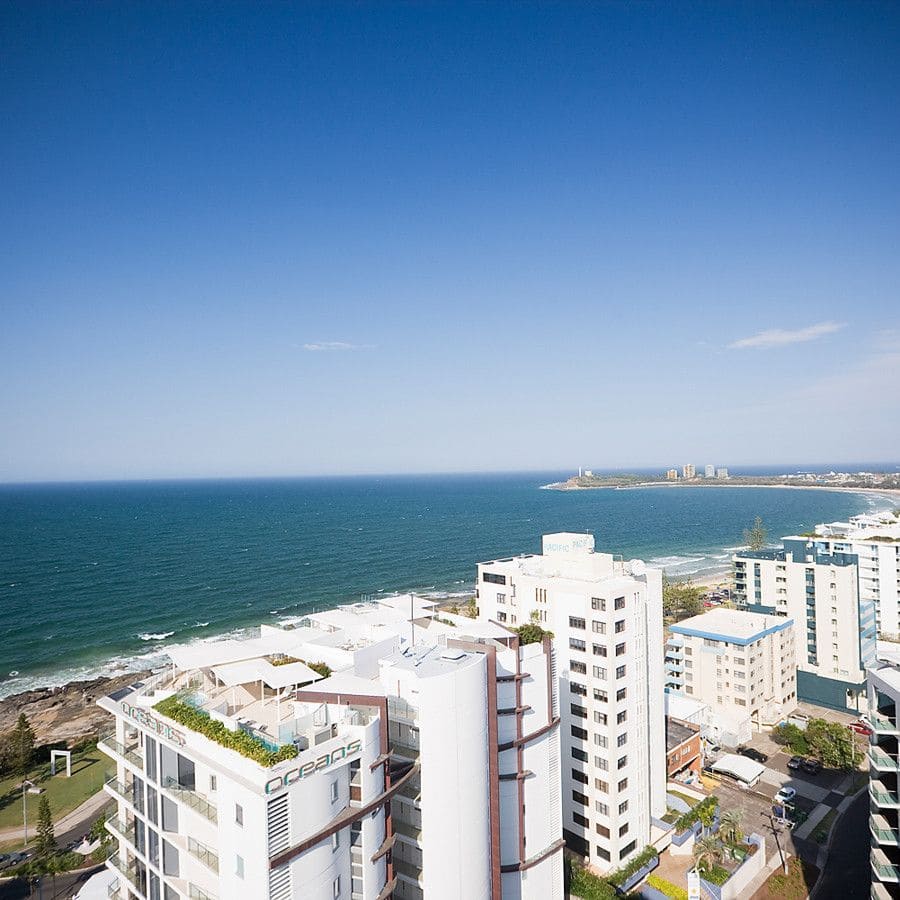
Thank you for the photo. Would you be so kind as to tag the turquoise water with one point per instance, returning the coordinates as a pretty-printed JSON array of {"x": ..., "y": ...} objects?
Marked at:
[{"x": 100, "y": 577}]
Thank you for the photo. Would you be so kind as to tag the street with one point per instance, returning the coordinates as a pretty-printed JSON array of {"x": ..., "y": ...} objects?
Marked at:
[{"x": 847, "y": 872}]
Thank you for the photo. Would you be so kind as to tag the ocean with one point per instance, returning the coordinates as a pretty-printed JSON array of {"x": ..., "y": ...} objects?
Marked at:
[{"x": 100, "y": 578}]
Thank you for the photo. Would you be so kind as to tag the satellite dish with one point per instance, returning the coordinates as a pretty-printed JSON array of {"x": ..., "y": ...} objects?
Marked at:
[{"x": 638, "y": 567}]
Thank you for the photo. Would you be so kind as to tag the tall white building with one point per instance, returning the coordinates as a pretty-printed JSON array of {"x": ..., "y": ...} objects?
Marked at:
[
  {"x": 606, "y": 616},
  {"x": 710, "y": 472},
  {"x": 834, "y": 627},
  {"x": 425, "y": 765},
  {"x": 741, "y": 665},
  {"x": 875, "y": 541},
  {"x": 884, "y": 779}
]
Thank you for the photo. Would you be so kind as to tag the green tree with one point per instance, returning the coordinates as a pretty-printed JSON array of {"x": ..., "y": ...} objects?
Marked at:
[
  {"x": 681, "y": 599},
  {"x": 706, "y": 813},
  {"x": 708, "y": 853},
  {"x": 730, "y": 826},
  {"x": 789, "y": 735},
  {"x": 470, "y": 609},
  {"x": 22, "y": 746},
  {"x": 756, "y": 537},
  {"x": 832, "y": 743},
  {"x": 531, "y": 633},
  {"x": 45, "y": 843}
]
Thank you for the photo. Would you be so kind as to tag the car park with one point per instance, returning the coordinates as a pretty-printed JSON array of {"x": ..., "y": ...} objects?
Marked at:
[
  {"x": 752, "y": 753},
  {"x": 811, "y": 766},
  {"x": 785, "y": 795},
  {"x": 795, "y": 762}
]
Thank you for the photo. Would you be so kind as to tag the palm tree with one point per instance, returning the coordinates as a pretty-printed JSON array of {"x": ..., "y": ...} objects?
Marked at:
[
  {"x": 730, "y": 826},
  {"x": 707, "y": 853},
  {"x": 706, "y": 813}
]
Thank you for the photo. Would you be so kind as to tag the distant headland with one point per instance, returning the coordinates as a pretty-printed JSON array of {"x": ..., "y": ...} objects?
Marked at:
[{"x": 586, "y": 479}]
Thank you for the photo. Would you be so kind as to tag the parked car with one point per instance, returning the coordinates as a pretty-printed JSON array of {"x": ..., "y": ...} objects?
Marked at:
[
  {"x": 861, "y": 727},
  {"x": 752, "y": 753},
  {"x": 785, "y": 795},
  {"x": 8, "y": 860},
  {"x": 811, "y": 766},
  {"x": 795, "y": 762}
]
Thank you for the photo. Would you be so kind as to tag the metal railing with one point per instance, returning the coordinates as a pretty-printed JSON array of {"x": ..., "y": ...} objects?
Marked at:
[
  {"x": 121, "y": 829},
  {"x": 880, "y": 759},
  {"x": 197, "y": 893},
  {"x": 883, "y": 725},
  {"x": 120, "y": 790},
  {"x": 192, "y": 799},
  {"x": 882, "y": 796},
  {"x": 128, "y": 871},
  {"x": 206, "y": 855},
  {"x": 109, "y": 742}
]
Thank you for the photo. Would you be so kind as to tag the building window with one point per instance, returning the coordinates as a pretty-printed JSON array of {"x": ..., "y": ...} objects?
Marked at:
[
  {"x": 579, "y": 755},
  {"x": 622, "y": 739},
  {"x": 601, "y": 785},
  {"x": 578, "y": 711},
  {"x": 620, "y": 671},
  {"x": 620, "y": 603},
  {"x": 576, "y": 644},
  {"x": 335, "y": 841},
  {"x": 579, "y": 733},
  {"x": 578, "y": 819},
  {"x": 600, "y": 740},
  {"x": 621, "y": 717},
  {"x": 334, "y": 791},
  {"x": 336, "y": 888},
  {"x": 501, "y": 616},
  {"x": 577, "y": 688},
  {"x": 490, "y": 578},
  {"x": 501, "y": 599},
  {"x": 603, "y": 831},
  {"x": 575, "y": 622},
  {"x": 627, "y": 850},
  {"x": 623, "y": 807},
  {"x": 239, "y": 866},
  {"x": 600, "y": 718},
  {"x": 212, "y": 784},
  {"x": 598, "y": 604},
  {"x": 238, "y": 814},
  {"x": 602, "y": 696},
  {"x": 603, "y": 854},
  {"x": 623, "y": 784},
  {"x": 601, "y": 808},
  {"x": 601, "y": 763},
  {"x": 580, "y": 798},
  {"x": 620, "y": 626},
  {"x": 623, "y": 830},
  {"x": 620, "y": 694},
  {"x": 600, "y": 672},
  {"x": 598, "y": 627},
  {"x": 578, "y": 667},
  {"x": 599, "y": 650},
  {"x": 622, "y": 762},
  {"x": 579, "y": 776}
]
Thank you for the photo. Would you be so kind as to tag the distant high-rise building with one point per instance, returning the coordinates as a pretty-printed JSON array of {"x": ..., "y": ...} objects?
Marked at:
[
  {"x": 672, "y": 475},
  {"x": 710, "y": 472},
  {"x": 689, "y": 470},
  {"x": 721, "y": 472}
]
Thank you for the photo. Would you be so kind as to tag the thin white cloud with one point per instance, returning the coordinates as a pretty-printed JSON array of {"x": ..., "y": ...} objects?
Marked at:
[
  {"x": 324, "y": 346},
  {"x": 778, "y": 337}
]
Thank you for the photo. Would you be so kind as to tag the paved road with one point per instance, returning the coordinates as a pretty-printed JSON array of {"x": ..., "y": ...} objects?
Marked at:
[
  {"x": 66, "y": 886},
  {"x": 847, "y": 872}
]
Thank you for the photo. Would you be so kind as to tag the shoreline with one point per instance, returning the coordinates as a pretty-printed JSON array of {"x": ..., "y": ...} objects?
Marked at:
[{"x": 563, "y": 487}]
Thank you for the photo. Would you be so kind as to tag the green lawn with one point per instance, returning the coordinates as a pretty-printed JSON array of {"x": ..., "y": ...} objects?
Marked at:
[
  {"x": 691, "y": 801},
  {"x": 90, "y": 768},
  {"x": 822, "y": 830}
]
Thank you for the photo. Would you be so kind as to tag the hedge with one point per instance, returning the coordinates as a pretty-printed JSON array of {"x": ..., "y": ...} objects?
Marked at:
[
  {"x": 620, "y": 876},
  {"x": 667, "y": 888},
  {"x": 688, "y": 819},
  {"x": 240, "y": 741}
]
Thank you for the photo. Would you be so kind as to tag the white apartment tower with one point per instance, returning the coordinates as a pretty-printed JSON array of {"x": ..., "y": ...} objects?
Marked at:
[
  {"x": 425, "y": 765},
  {"x": 606, "y": 617}
]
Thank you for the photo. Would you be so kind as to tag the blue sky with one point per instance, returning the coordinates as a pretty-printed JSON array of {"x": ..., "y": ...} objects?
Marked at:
[{"x": 254, "y": 240}]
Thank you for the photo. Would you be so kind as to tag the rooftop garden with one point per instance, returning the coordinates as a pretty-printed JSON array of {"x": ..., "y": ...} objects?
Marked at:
[{"x": 177, "y": 709}]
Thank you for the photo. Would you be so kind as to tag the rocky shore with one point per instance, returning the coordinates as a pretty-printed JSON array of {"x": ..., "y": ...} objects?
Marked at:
[{"x": 68, "y": 713}]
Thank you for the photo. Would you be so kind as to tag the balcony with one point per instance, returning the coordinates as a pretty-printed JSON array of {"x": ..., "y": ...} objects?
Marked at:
[
  {"x": 882, "y": 761},
  {"x": 207, "y": 856},
  {"x": 405, "y": 747},
  {"x": 196, "y": 893},
  {"x": 674, "y": 668},
  {"x": 882, "y": 831},
  {"x": 407, "y": 870},
  {"x": 882, "y": 796},
  {"x": 883, "y": 724},
  {"x": 121, "y": 829},
  {"x": 111, "y": 746},
  {"x": 113, "y": 891},
  {"x": 406, "y": 829},
  {"x": 191, "y": 799},
  {"x": 411, "y": 792},
  {"x": 883, "y": 868},
  {"x": 127, "y": 871},
  {"x": 119, "y": 791}
]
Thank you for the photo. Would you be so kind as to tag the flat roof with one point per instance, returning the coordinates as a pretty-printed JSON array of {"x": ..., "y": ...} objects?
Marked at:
[
  {"x": 740, "y": 767},
  {"x": 732, "y": 625},
  {"x": 677, "y": 733}
]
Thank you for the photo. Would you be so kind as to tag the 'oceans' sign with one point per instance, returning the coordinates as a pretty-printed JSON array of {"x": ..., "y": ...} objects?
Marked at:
[
  {"x": 314, "y": 765},
  {"x": 152, "y": 723}
]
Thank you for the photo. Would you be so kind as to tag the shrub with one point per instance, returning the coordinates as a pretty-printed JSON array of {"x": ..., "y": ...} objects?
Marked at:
[
  {"x": 621, "y": 875},
  {"x": 789, "y": 735},
  {"x": 705, "y": 808},
  {"x": 585, "y": 884},
  {"x": 240, "y": 741},
  {"x": 531, "y": 633},
  {"x": 667, "y": 888},
  {"x": 717, "y": 875}
]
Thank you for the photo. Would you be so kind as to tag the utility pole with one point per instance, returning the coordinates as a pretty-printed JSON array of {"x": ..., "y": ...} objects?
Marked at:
[{"x": 777, "y": 832}]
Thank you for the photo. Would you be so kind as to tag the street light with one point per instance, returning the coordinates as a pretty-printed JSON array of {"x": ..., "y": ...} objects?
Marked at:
[{"x": 29, "y": 785}]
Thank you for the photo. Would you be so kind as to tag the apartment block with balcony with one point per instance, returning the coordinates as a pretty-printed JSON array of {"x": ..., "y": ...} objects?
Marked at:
[
  {"x": 740, "y": 664},
  {"x": 884, "y": 779},
  {"x": 406, "y": 772},
  {"x": 834, "y": 626},
  {"x": 606, "y": 617}
]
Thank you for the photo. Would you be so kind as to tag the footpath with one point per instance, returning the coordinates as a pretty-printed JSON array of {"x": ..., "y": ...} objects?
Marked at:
[{"x": 78, "y": 816}]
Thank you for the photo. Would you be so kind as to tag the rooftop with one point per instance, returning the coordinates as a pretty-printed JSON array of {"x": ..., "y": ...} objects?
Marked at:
[
  {"x": 678, "y": 732},
  {"x": 731, "y": 625}
]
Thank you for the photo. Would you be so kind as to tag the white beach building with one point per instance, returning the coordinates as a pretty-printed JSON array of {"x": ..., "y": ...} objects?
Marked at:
[
  {"x": 606, "y": 617},
  {"x": 425, "y": 765}
]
